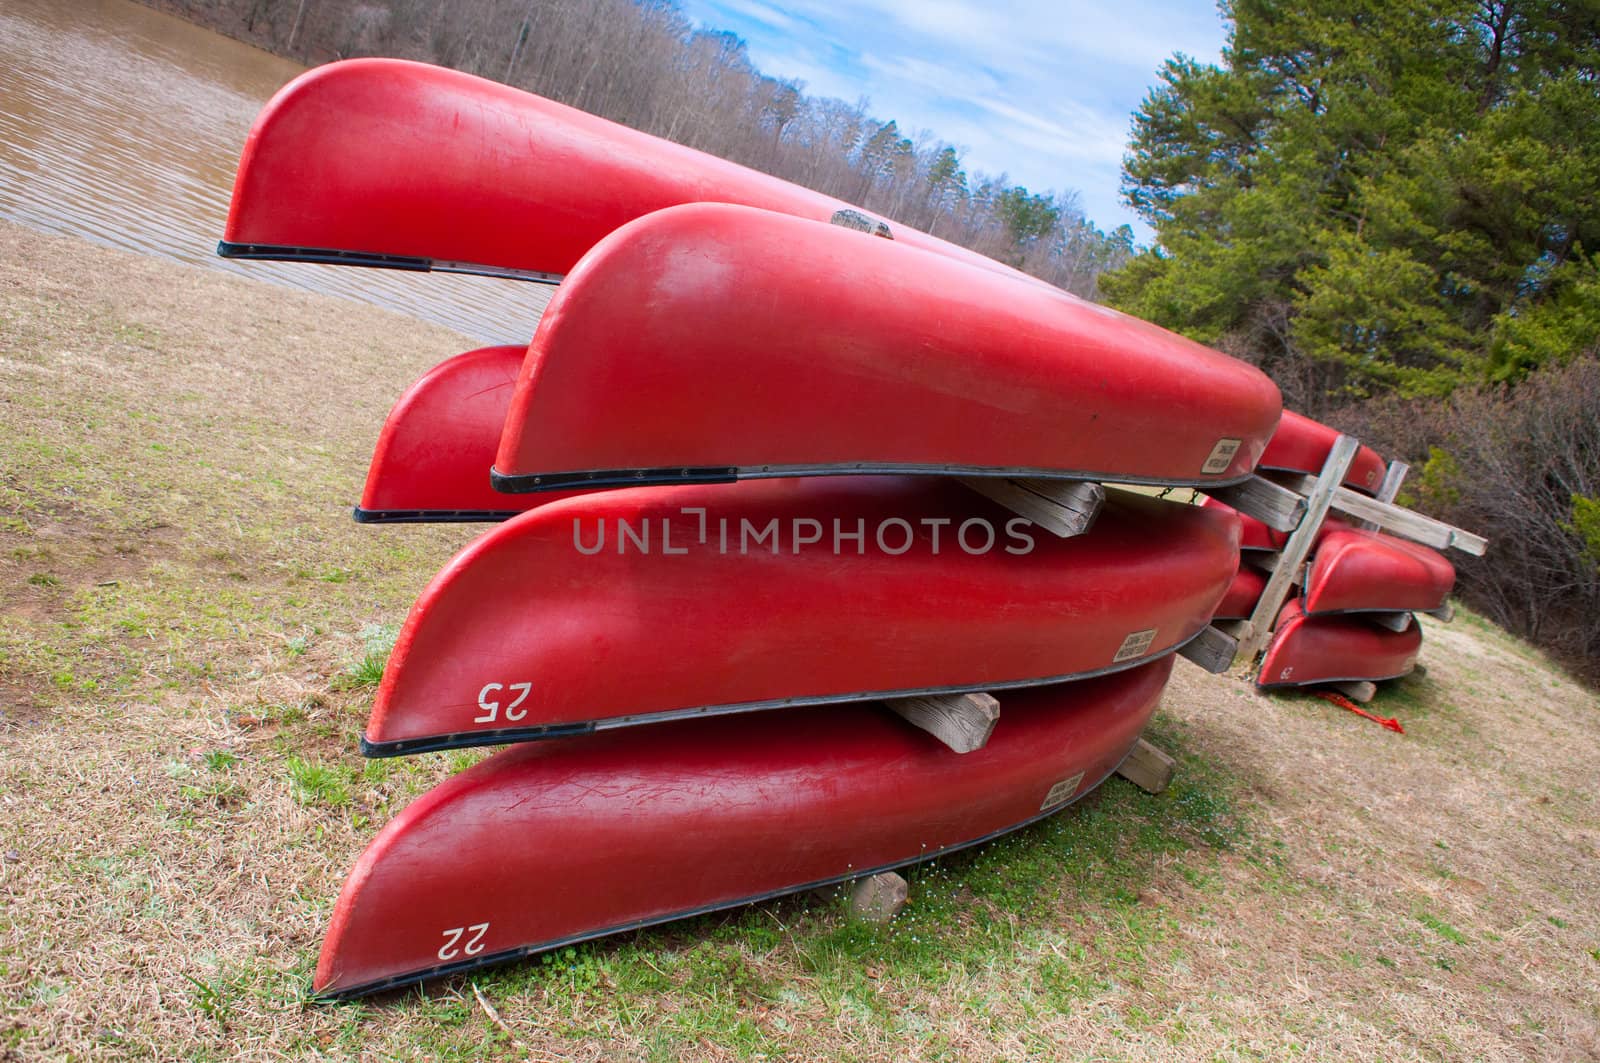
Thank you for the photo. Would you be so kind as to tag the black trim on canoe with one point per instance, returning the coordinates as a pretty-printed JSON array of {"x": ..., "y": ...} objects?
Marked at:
[
  {"x": 1327, "y": 682},
  {"x": 1357, "y": 614},
  {"x": 469, "y": 739},
  {"x": 522, "y": 952},
  {"x": 526, "y": 483},
  {"x": 323, "y": 255},
  {"x": 329, "y": 256},
  {"x": 431, "y": 516}
]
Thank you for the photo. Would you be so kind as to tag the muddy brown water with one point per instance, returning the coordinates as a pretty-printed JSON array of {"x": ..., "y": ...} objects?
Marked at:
[{"x": 123, "y": 125}]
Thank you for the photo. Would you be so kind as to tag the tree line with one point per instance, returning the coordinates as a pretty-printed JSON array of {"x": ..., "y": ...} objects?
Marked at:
[
  {"x": 1393, "y": 206},
  {"x": 643, "y": 64},
  {"x": 1369, "y": 196}
]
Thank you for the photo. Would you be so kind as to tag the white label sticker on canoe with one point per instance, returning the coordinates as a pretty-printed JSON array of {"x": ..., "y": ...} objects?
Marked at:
[
  {"x": 1135, "y": 645},
  {"x": 1061, "y": 792},
  {"x": 1221, "y": 456}
]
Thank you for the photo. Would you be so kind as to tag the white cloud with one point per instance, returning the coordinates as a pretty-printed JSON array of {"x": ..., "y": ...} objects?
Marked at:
[{"x": 1041, "y": 90}]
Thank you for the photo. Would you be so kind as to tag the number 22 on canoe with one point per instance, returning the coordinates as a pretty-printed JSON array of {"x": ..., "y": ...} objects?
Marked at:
[{"x": 554, "y": 842}]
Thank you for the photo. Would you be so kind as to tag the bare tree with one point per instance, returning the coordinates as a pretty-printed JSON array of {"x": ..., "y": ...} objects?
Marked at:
[{"x": 641, "y": 63}]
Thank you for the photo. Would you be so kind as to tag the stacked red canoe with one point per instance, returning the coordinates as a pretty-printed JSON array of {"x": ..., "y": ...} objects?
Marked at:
[
  {"x": 1351, "y": 618},
  {"x": 784, "y": 396}
]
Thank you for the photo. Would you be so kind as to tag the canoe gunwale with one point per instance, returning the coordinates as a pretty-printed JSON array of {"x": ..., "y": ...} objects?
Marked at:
[
  {"x": 527, "y": 483},
  {"x": 525, "y": 951},
  {"x": 433, "y": 516},
  {"x": 1347, "y": 679},
  {"x": 1355, "y": 614},
  {"x": 331, "y": 256},
  {"x": 506, "y": 736}
]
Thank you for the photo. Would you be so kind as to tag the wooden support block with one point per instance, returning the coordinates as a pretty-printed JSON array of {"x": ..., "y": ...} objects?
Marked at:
[
  {"x": 1357, "y": 690},
  {"x": 961, "y": 721},
  {"x": 1392, "y": 621},
  {"x": 1148, "y": 768},
  {"x": 1298, "y": 548},
  {"x": 878, "y": 898},
  {"x": 1269, "y": 560},
  {"x": 1236, "y": 629},
  {"x": 1277, "y": 507},
  {"x": 1400, "y": 521},
  {"x": 1213, "y": 649},
  {"x": 1062, "y": 507},
  {"x": 1445, "y": 612}
]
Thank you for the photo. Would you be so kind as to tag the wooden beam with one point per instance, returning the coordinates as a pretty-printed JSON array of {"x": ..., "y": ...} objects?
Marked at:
[
  {"x": 1295, "y": 551},
  {"x": 1213, "y": 649},
  {"x": 1392, "y": 621},
  {"x": 1277, "y": 507},
  {"x": 878, "y": 898},
  {"x": 1357, "y": 690},
  {"x": 1148, "y": 768},
  {"x": 1062, "y": 507},
  {"x": 1269, "y": 560},
  {"x": 1236, "y": 629},
  {"x": 1401, "y": 521},
  {"x": 961, "y": 721},
  {"x": 1393, "y": 477}
]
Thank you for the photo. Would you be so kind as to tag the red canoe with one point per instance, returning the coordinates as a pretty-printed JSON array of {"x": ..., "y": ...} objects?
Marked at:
[
  {"x": 1254, "y": 534},
  {"x": 1243, "y": 593},
  {"x": 710, "y": 342},
  {"x": 382, "y": 162},
  {"x": 1306, "y": 650},
  {"x": 1302, "y": 445},
  {"x": 1365, "y": 571},
  {"x": 546, "y": 844},
  {"x": 435, "y": 451},
  {"x": 635, "y": 606}
]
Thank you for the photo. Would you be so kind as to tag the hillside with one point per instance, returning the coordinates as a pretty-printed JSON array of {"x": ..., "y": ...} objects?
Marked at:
[{"x": 189, "y": 624}]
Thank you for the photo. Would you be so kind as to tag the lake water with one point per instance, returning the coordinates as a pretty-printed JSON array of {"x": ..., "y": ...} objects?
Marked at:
[{"x": 123, "y": 125}]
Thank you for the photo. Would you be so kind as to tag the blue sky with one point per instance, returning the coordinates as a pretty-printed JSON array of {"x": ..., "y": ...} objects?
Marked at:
[{"x": 1041, "y": 90}]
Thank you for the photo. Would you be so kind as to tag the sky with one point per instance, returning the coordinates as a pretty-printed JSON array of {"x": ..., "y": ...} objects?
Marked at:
[{"x": 1040, "y": 90}]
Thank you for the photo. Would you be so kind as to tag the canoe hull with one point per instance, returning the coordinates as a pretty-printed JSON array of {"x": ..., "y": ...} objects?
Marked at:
[
  {"x": 1307, "y": 650},
  {"x": 743, "y": 597},
  {"x": 720, "y": 342},
  {"x": 436, "y": 447},
  {"x": 543, "y": 845},
  {"x": 1254, "y": 534},
  {"x": 1243, "y": 593},
  {"x": 403, "y": 165},
  {"x": 1363, "y": 571},
  {"x": 1302, "y": 445}
]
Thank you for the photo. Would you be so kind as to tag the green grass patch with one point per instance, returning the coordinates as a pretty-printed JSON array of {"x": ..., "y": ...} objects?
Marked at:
[
  {"x": 320, "y": 784},
  {"x": 368, "y": 671},
  {"x": 1442, "y": 928}
]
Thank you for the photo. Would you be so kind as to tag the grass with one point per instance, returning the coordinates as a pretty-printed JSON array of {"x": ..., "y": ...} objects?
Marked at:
[{"x": 191, "y": 631}]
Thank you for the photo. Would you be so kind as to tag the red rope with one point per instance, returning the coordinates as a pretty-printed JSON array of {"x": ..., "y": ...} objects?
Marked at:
[{"x": 1344, "y": 702}]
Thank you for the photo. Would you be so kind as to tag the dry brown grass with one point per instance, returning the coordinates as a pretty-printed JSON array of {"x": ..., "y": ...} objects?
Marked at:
[{"x": 180, "y": 795}]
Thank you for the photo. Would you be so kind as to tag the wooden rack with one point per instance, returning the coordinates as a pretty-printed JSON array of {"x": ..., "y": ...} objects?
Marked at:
[{"x": 1298, "y": 504}]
